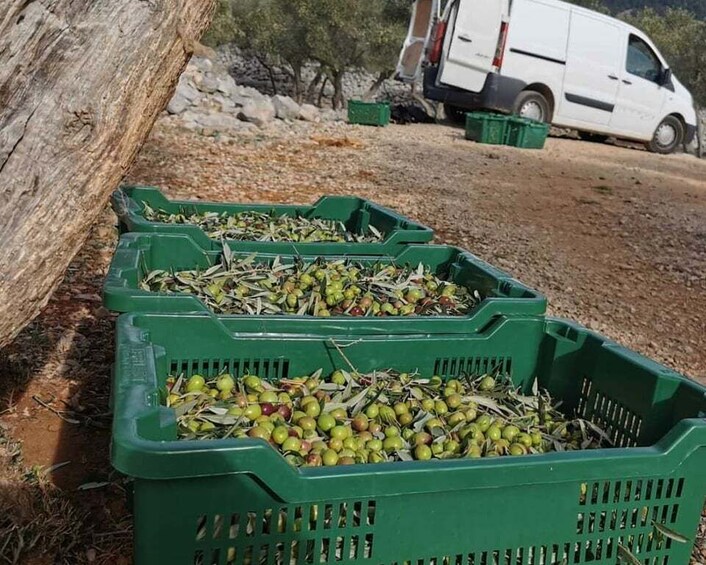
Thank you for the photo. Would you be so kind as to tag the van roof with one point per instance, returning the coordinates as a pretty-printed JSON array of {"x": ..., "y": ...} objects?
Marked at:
[{"x": 598, "y": 15}]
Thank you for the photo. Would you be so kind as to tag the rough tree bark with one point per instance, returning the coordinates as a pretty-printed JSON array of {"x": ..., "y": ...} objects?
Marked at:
[{"x": 81, "y": 84}]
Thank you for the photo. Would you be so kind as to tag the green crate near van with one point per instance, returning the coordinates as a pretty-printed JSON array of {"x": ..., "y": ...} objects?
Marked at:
[
  {"x": 525, "y": 133},
  {"x": 368, "y": 113},
  {"x": 483, "y": 127}
]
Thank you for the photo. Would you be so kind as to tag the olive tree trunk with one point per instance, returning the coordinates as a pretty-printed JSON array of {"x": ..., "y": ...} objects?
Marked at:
[{"x": 81, "y": 84}]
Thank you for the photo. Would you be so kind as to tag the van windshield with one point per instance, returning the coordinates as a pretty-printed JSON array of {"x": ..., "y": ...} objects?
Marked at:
[{"x": 642, "y": 60}]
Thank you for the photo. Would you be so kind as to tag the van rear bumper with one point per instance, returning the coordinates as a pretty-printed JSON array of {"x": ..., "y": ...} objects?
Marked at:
[{"x": 499, "y": 92}]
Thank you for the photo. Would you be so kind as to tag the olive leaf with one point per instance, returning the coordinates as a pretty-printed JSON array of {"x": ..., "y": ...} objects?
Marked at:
[
  {"x": 625, "y": 554},
  {"x": 669, "y": 533}
]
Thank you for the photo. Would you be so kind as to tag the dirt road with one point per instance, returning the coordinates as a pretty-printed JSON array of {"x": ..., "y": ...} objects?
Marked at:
[{"x": 616, "y": 238}]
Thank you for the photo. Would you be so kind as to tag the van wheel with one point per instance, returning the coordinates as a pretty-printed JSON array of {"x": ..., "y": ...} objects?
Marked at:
[
  {"x": 669, "y": 135},
  {"x": 532, "y": 105},
  {"x": 455, "y": 114}
]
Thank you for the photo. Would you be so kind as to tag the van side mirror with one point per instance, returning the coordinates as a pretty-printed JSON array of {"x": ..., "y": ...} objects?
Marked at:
[{"x": 666, "y": 78}]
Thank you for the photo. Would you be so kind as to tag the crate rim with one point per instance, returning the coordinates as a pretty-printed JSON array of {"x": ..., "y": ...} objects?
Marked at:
[
  {"x": 129, "y": 247},
  {"x": 141, "y": 458},
  {"x": 125, "y": 206}
]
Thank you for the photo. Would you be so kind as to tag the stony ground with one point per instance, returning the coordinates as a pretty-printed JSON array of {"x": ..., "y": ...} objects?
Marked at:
[{"x": 615, "y": 237}]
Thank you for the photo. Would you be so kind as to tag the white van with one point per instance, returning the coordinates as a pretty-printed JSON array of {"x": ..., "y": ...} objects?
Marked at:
[{"x": 550, "y": 61}]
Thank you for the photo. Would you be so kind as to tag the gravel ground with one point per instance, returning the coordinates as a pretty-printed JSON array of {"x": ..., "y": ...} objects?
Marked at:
[{"x": 615, "y": 237}]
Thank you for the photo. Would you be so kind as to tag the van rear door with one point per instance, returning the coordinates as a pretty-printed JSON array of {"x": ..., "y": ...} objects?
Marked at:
[
  {"x": 474, "y": 40},
  {"x": 424, "y": 13}
]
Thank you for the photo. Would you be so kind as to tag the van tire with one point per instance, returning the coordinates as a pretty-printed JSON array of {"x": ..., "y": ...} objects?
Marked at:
[
  {"x": 529, "y": 99},
  {"x": 668, "y": 137},
  {"x": 455, "y": 114}
]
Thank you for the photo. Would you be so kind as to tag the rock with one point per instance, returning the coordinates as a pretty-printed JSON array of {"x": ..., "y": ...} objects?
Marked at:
[
  {"x": 208, "y": 84},
  {"x": 226, "y": 85},
  {"x": 285, "y": 107},
  {"x": 224, "y": 104},
  {"x": 258, "y": 112},
  {"x": 309, "y": 113},
  {"x": 201, "y": 63},
  {"x": 178, "y": 104},
  {"x": 187, "y": 90},
  {"x": 333, "y": 116},
  {"x": 218, "y": 121}
]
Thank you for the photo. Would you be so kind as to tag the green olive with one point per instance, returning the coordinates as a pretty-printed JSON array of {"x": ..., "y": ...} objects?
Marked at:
[
  {"x": 280, "y": 434},
  {"x": 487, "y": 384},
  {"x": 454, "y": 401},
  {"x": 330, "y": 458},
  {"x": 517, "y": 449},
  {"x": 524, "y": 439},
  {"x": 195, "y": 383},
  {"x": 338, "y": 378},
  {"x": 405, "y": 419},
  {"x": 252, "y": 412},
  {"x": 456, "y": 418},
  {"x": 422, "y": 453},
  {"x": 307, "y": 423},
  {"x": 312, "y": 409},
  {"x": 326, "y": 422},
  {"x": 259, "y": 432},
  {"x": 494, "y": 433},
  {"x": 360, "y": 423},
  {"x": 440, "y": 407},
  {"x": 392, "y": 444},
  {"x": 374, "y": 445},
  {"x": 483, "y": 422},
  {"x": 339, "y": 432},
  {"x": 253, "y": 383},
  {"x": 291, "y": 444},
  {"x": 225, "y": 383},
  {"x": 509, "y": 432}
]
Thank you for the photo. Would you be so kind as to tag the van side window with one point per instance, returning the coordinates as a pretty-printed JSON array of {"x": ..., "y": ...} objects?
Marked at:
[{"x": 642, "y": 61}]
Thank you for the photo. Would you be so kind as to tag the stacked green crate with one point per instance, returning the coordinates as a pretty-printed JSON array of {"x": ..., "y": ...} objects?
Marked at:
[{"x": 237, "y": 501}]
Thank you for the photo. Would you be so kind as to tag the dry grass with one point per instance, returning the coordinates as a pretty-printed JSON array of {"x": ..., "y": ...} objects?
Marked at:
[{"x": 36, "y": 518}]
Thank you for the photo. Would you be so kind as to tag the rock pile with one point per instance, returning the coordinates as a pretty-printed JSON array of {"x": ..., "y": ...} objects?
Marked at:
[{"x": 208, "y": 99}]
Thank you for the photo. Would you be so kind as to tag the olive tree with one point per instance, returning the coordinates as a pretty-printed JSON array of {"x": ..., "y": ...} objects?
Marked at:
[{"x": 81, "y": 84}]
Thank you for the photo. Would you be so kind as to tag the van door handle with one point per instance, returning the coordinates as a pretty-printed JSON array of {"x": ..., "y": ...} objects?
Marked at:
[
  {"x": 612, "y": 77},
  {"x": 627, "y": 81},
  {"x": 464, "y": 37}
]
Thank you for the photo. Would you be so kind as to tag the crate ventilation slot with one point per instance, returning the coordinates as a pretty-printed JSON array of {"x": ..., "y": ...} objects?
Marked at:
[
  {"x": 472, "y": 366},
  {"x": 271, "y": 369},
  {"x": 568, "y": 553},
  {"x": 621, "y": 424},
  {"x": 294, "y": 535}
]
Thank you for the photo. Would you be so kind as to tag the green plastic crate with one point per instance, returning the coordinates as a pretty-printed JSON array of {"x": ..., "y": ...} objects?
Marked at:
[
  {"x": 139, "y": 254},
  {"x": 368, "y": 113},
  {"x": 526, "y": 134},
  {"x": 487, "y": 128},
  {"x": 238, "y": 501},
  {"x": 355, "y": 213}
]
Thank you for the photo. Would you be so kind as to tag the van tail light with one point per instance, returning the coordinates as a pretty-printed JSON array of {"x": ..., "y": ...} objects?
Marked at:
[
  {"x": 502, "y": 40},
  {"x": 437, "y": 42}
]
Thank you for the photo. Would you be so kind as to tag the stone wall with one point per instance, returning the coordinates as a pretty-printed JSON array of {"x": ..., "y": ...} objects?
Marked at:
[
  {"x": 248, "y": 71},
  {"x": 209, "y": 100}
]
